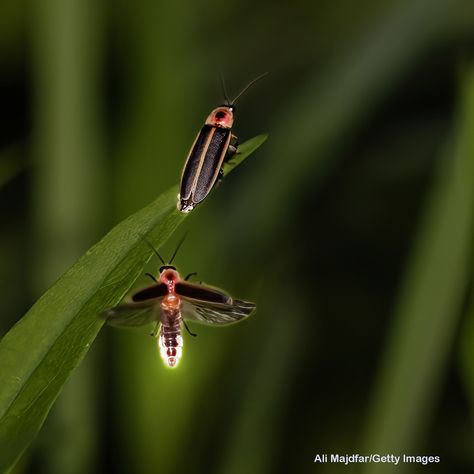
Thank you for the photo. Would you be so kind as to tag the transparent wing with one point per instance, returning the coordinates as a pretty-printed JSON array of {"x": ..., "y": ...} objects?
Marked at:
[
  {"x": 216, "y": 314},
  {"x": 133, "y": 314},
  {"x": 143, "y": 308},
  {"x": 211, "y": 306}
]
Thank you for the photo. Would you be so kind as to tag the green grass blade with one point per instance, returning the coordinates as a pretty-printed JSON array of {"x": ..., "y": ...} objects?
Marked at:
[
  {"x": 67, "y": 150},
  {"x": 430, "y": 303},
  {"x": 38, "y": 354}
]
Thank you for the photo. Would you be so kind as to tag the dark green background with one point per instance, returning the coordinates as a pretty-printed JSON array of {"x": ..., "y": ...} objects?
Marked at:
[{"x": 326, "y": 227}]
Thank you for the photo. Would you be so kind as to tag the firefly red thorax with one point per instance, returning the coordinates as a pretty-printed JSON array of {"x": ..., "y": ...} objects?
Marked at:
[
  {"x": 222, "y": 116},
  {"x": 168, "y": 302}
]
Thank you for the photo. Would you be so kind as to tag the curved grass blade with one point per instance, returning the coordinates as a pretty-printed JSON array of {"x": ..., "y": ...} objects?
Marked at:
[
  {"x": 38, "y": 354},
  {"x": 430, "y": 305}
]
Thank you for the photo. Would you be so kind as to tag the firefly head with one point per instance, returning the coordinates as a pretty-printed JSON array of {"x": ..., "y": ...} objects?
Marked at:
[
  {"x": 168, "y": 274},
  {"x": 223, "y": 116}
]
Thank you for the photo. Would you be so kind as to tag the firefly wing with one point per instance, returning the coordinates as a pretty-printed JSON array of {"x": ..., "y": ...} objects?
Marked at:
[
  {"x": 210, "y": 305},
  {"x": 131, "y": 315},
  {"x": 140, "y": 310},
  {"x": 150, "y": 294}
]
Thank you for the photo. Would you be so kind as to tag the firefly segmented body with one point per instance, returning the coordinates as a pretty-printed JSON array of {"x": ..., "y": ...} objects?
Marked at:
[
  {"x": 170, "y": 300},
  {"x": 170, "y": 339}
]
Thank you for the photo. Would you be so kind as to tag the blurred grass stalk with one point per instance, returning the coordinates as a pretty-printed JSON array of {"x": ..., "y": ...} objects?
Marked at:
[
  {"x": 255, "y": 431},
  {"x": 430, "y": 304},
  {"x": 67, "y": 203},
  {"x": 153, "y": 131}
]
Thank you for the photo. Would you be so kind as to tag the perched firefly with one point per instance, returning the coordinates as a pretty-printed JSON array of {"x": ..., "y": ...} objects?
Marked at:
[
  {"x": 171, "y": 300},
  {"x": 213, "y": 145}
]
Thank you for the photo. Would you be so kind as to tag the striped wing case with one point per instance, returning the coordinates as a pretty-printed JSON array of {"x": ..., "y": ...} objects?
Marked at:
[{"x": 203, "y": 165}]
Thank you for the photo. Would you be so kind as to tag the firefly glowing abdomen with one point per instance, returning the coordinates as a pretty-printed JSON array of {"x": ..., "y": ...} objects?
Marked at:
[{"x": 170, "y": 340}]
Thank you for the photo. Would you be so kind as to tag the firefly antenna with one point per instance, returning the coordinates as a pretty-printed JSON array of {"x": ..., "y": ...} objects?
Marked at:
[
  {"x": 251, "y": 83},
  {"x": 224, "y": 90},
  {"x": 152, "y": 248},
  {"x": 177, "y": 248}
]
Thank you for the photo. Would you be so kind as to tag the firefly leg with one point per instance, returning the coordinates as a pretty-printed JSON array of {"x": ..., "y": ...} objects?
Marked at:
[
  {"x": 232, "y": 150},
  {"x": 220, "y": 177},
  {"x": 190, "y": 275},
  {"x": 187, "y": 329},
  {"x": 152, "y": 277}
]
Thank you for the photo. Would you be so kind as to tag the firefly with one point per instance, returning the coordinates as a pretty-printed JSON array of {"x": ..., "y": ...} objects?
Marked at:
[
  {"x": 213, "y": 145},
  {"x": 169, "y": 301}
]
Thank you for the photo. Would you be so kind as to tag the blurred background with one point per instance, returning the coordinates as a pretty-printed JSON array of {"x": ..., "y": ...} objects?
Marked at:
[{"x": 351, "y": 228}]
